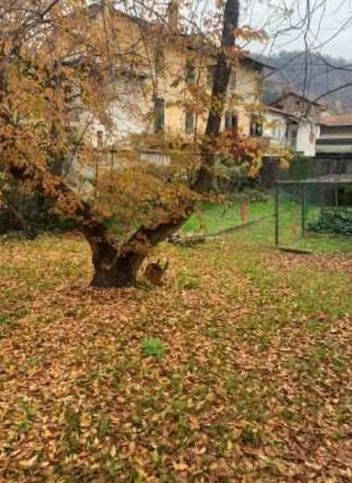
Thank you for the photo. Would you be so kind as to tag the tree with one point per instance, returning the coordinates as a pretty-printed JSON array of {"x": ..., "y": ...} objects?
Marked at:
[{"x": 53, "y": 60}]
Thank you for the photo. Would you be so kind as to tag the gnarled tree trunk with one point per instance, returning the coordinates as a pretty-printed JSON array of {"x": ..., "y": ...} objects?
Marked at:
[
  {"x": 112, "y": 269},
  {"x": 117, "y": 266},
  {"x": 119, "y": 272}
]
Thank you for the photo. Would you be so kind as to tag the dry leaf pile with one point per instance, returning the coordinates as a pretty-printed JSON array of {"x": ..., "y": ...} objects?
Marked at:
[{"x": 253, "y": 382}]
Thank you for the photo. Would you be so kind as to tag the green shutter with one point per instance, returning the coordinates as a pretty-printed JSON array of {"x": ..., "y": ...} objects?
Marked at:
[
  {"x": 159, "y": 115},
  {"x": 189, "y": 122}
]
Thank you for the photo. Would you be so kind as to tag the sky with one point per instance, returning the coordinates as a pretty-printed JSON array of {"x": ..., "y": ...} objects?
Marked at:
[{"x": 330, "y": 25}]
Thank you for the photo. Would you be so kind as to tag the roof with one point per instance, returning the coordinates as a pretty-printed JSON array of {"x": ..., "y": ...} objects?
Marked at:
[
  {"x": 249, "y": 57},
  {"x": 201, "y": 40},
  {"x": 300, "y": 96},
  {"x": 332, "y": 179},
  {"x": 341, "y": 120},
  {"x": 276, "y": 110}
]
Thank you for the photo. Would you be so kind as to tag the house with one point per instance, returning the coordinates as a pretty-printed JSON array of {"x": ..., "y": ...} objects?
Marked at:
[
  {"x": 287, "y": 131},
  {"x": 163, "y": 79},
  {"x": 299, "y": 106},
  {"x": 304, "y": 121},
  {"x": 335, "y": 135},
  {"x": 280, "y": 128}
]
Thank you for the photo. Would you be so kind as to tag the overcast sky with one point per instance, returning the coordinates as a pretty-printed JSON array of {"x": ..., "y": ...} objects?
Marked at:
[{"x": 331, "y": 24}]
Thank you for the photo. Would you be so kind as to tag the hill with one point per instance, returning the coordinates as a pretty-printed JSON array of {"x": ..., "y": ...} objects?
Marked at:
[{"x": 312, "y": 75}]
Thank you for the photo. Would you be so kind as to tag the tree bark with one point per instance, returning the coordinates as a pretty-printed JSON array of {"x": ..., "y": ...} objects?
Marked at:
[
  {"x": 114, "y": 271},
  {"x": 117, "y": 266},
  {"x": 221, "y": 80},
  {"x": 112, "y": 266}
]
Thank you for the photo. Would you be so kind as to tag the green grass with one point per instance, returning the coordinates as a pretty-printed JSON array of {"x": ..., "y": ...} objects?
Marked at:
[
  {"x": 212, "y": 218},
  {"x": 153, "y": 347},
  {"x": 218, "y": 375}
]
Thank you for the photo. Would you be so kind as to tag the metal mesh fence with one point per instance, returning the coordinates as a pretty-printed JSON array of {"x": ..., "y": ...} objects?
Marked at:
[{"x": 302, "y": 206}]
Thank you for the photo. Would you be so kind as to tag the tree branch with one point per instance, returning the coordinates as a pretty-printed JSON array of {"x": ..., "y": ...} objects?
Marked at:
[{"x": 332, "y": 91}]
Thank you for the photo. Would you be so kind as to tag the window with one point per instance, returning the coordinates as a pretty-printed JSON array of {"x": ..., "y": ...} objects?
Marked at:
[
  {"x": 256, "y": 127},
  {"x": 293, "y": 134},
  {"x": 159, "y": 115},
  {"x": 159, "y": 60},
  {"x": 189, "y": 122},
  {"x": 231, "y": 122},
  {"x": 190, "y": 72},
  {"x": 210, "y": 76},
  {"x": 100, "y": 139}
]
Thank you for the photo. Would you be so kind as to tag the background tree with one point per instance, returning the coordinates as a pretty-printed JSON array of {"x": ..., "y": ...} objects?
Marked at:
[{"x": 56, "y": 59}]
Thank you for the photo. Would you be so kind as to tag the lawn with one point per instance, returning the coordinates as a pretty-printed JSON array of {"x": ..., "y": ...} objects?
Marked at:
[
  {"x": 259, "y": 228},
  {"x": 238, "y": 369},
  {"x": 212, "y": 218}
]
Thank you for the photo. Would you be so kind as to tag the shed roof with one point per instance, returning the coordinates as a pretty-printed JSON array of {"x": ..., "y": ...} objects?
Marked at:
[
  {"x": 276, "y": 110},
  {"x": 330, "y": 179},
  {"x": 341, "y": 120}
]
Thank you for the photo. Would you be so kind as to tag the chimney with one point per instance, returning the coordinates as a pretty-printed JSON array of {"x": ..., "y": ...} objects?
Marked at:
[{"x": 172, "y": 15}]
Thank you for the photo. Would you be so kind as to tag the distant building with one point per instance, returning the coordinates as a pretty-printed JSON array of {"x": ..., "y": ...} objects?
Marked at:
[
  {"x": 302, "y": 117},
  {"x": 335, "y": 135},
  {"x": 300, "y": 106},
  {"x": 280, "y": 128}
]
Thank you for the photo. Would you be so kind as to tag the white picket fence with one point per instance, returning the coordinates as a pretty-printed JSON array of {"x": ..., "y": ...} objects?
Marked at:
[{"x": 155, "y": 157}]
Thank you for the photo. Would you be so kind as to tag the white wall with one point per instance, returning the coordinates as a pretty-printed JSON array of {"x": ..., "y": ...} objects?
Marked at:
[
  {"x": 275, "y": 127},
  {"x": 306, "y": 138},
  {"x": 123, "y": 125},
  {"x": 128, "y": 115}
]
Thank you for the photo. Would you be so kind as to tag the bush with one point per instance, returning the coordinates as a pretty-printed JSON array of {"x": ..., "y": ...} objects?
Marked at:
[
  {"x": 334, "y": 220},
  {"x": 232, "y": 177},
  {"x": 29, "y": 213}
]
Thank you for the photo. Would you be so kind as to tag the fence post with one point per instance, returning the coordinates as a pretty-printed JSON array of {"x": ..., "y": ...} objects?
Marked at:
[
  {"x": 303, "y": 207},
  {"x": 277, "y": 214},
  {"x": 322, "y": 199}
]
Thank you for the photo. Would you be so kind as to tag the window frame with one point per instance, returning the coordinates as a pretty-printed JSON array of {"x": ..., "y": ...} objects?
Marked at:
[
  {"x": 159, "y": 60},
  {"x": 159, "y": 114},
  {"x": 231, "y": 122},
  {"x": 189, "y": 122},
  {"x": 256, "y": 126},
  {"x": 190, "y": 71},
  {"x": 100, "y": 138}
]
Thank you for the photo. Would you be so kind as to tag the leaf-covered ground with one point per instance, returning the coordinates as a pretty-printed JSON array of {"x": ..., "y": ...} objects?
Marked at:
[{"x": 238, "y": 369}]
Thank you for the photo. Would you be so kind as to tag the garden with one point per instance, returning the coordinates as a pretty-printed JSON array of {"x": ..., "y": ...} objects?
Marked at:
[
  {"x": 238, "y": 368},
  {"x": 142, "y": 339}
]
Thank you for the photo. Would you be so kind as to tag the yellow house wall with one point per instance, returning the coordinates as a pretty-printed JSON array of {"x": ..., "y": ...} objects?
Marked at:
[
  {"x": 132, "y": 37},
  {"x": 248, "y": 91}
]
